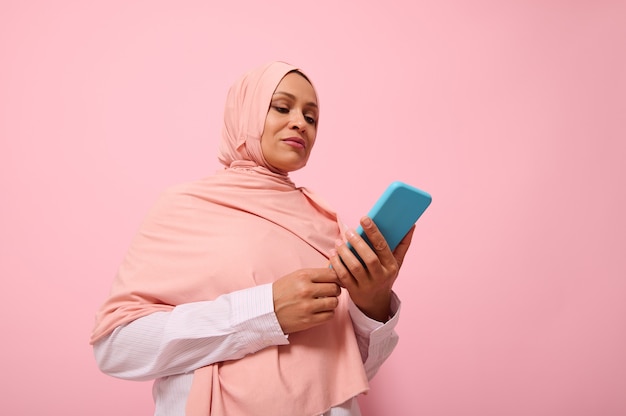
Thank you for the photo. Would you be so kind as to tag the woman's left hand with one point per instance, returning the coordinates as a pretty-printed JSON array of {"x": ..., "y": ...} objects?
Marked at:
[{"x": 370, "y": 285}]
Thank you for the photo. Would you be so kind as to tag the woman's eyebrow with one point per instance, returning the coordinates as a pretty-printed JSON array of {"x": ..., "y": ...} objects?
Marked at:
[{"x": 293, "y": 97}]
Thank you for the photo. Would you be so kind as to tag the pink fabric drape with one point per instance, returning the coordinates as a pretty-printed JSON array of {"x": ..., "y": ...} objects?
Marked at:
[{"x": 242, "y": 227}]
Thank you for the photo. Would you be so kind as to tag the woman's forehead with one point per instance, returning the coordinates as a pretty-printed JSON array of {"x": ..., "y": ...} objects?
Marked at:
[{"x": 295, "y": 86}]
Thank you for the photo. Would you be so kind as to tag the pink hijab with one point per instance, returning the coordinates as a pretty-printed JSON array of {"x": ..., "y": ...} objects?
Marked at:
[{"x": 242, "y": 227}]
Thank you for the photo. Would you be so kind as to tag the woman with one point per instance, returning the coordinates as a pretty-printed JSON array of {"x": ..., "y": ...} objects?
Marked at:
[{"x": 226, "y": 296}]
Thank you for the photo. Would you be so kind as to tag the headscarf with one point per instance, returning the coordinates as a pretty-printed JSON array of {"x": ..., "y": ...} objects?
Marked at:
[{"x": 244, "y": 226}]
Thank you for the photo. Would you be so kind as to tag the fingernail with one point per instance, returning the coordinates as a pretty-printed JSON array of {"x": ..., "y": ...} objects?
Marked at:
[
  {"x": 333, "y": 252},
  {"x": 350, "y": 233},
  {"x": 338, "y": 243},
  {"x": 366, "y": 221}
]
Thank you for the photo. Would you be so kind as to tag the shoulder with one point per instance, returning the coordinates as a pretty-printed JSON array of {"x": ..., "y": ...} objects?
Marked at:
[{"x": 176, "y": 198}]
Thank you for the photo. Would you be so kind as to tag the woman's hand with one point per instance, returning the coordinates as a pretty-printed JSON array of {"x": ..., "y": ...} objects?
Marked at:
[
  {"x": 370, "y": 286},
  {"x": 305, "y": 298}
]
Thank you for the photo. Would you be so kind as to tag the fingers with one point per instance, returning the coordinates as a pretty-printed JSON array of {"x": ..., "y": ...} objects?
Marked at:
[
  {"x": 325, "y": 304},
  {"x": 374, "y": 256},
  {"x": 370, "y": 282},
  {"x": 344, "y": 275},
  {"x": 403, "y": 246},
  {"x": 323, "y": 290},
  {"x": 323, "y": 275},
  {"x": 374, "y": 235},
  {"x": 325, "y": 283},
  {"x": 378, "y": 242},
  {"x": 305, "y": 298}
]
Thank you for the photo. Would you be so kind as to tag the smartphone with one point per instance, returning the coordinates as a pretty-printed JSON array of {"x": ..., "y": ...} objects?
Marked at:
[{"x": 395, "y": 212}]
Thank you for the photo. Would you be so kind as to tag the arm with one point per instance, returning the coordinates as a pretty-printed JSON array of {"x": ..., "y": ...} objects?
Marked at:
[
  {"x": 376, "y": 340},
  {"x": 191, "y": 336}
]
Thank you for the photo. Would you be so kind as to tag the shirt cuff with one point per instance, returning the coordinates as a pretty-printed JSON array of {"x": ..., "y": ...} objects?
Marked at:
[
  {"x": 254, "y": 316},
  {"x": 365, "y": 325}
]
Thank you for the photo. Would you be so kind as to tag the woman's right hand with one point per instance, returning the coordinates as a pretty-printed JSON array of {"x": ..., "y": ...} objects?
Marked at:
[{"x": 305, "y": 298}]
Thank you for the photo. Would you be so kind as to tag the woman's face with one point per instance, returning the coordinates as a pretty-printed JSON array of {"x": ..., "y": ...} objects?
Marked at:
[{"x": 290, "y": 125}]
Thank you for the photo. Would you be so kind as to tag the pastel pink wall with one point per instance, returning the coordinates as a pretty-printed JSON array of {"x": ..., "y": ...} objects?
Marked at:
[{"x": 512, "y": 114}]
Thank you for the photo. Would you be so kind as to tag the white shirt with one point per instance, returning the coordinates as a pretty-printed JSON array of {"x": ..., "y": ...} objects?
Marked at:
[{"x": 169, "y": 346}]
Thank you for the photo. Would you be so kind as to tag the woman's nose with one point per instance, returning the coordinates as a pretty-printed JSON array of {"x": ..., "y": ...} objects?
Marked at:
[{"x": 297, "y": 121}]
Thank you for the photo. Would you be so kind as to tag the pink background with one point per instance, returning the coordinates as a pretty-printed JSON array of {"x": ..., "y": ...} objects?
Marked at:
[{"x": 512, "y": 114}]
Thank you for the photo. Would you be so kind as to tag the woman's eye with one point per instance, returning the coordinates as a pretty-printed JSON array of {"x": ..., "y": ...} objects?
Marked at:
[
  {"x": 282, "y": 110},
  {"x": 309, "y": 119}
]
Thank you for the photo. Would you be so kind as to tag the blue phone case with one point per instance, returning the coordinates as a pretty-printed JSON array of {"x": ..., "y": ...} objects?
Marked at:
[{"x": 395, "y": 212}]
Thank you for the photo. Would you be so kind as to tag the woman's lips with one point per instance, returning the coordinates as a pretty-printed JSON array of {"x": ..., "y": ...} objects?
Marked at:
[{"x": 295, "y": 142}]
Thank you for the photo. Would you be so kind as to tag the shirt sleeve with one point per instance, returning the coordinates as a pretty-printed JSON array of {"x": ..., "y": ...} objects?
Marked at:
[
  {"x": 376, "y": 340},
  {"x": 191, "y": 336}
]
